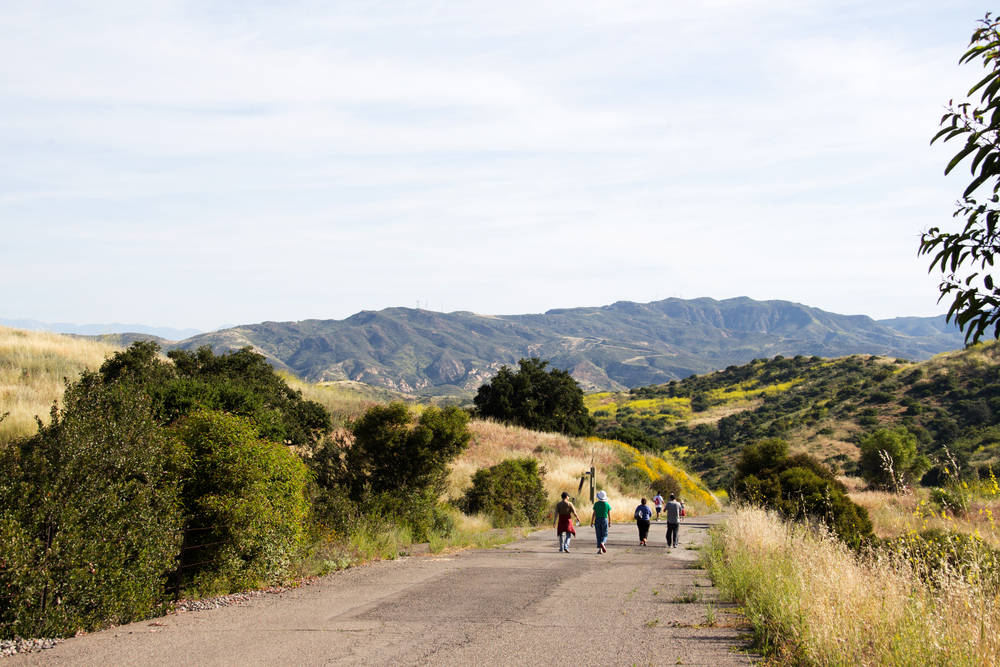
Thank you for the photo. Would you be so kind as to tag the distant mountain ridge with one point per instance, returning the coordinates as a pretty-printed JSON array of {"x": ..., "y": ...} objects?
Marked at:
[
  {"x": 625, "y": 344},
  {"x": 166, "y": 333}
]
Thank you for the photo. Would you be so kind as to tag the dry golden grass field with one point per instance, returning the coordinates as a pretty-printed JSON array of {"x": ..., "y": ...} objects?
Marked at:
[{"x": 33, "y": 369}]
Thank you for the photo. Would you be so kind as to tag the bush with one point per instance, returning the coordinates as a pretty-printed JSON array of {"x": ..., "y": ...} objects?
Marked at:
[
  {"x": 511, "y": 491},
  {"x": 90, "y": 526},
  {"x": 417, "y": 510},
  {"x": 889, "y": 459},
  {"x": 247, "y": 505},
  {"x": 800, "y": 488}
]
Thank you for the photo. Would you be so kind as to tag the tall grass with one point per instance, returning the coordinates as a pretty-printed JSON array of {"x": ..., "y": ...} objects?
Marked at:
[
  {"x": 33, "y": 367},
  {"x": 895, "y": 515},
  {"x": 813, "y": 601}
]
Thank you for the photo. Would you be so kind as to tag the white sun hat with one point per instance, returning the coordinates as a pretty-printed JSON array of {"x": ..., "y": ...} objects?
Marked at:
[{"x": 601, "y": 495}]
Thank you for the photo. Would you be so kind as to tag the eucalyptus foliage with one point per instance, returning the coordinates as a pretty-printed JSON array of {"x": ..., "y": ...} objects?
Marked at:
[{"x": 965, "y": 258}]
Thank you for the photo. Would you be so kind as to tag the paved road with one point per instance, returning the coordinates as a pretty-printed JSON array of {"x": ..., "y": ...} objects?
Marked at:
[{"x": 524, "y": 604}]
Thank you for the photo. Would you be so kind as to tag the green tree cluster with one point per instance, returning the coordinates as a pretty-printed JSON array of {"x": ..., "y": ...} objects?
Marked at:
[
  {"x": 535, "y": 398},
  {"x": 800, "y": 488},
  {"x": 91, "y": 514},
  {"x": 239, "y": 382}
]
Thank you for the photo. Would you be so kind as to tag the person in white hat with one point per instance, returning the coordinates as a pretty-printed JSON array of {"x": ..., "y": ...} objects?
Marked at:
[{"x": 601, "y": 520}]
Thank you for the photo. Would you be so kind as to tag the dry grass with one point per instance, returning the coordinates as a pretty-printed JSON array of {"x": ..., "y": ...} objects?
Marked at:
[
  {"x": 33, "y": 369},
  {"x": 896, "y": 515},
  {"x": 813, "y": 601},
  {"x": 565, "y": 460},
  {"x": 345, "y": 400}
]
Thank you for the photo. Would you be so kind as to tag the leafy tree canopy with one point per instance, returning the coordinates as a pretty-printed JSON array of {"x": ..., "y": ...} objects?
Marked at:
[
  {"x": 965, "y": 257},
  {"x": 90, "y": 514},
  {"x": 391, "y": 453},
  {"x": 535, "y": 398},
  {"x": 240, "y": 382}
]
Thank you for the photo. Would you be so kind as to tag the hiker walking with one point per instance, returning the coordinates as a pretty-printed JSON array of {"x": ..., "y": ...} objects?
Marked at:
[
  {"x": 658, "y": 503},
  {"x": 564, "y": 522},
  {"x": 674, "y": 510},
  {"x": 642, "y": 517},
  {"x": 601, "y": 521}
]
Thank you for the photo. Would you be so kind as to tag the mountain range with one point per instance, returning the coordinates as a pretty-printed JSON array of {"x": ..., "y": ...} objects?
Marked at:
[{"x": 614, "y": 347}]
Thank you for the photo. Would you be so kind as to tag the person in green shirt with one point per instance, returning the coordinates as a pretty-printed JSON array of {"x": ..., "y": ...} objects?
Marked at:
[{"x": 601, "y": 520}]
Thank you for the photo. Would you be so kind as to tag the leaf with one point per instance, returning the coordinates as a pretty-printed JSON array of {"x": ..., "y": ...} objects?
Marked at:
[{"x": 969, "y": 147}]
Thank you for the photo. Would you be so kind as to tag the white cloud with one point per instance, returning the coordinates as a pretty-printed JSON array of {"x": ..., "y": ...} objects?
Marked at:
[{"x": 604, "y": 150}]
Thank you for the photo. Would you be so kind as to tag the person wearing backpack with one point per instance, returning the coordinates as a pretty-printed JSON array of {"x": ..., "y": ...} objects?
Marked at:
[
  {"x": 658, "y": 502},
  {"x": 601, "y": 521},
  {"x": 642, "y": 516}
]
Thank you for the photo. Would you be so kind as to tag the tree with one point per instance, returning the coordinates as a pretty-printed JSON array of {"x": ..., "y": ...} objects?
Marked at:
[
  {"x": 535, "y": 398},
  {"x": 889, "y": 458},
  {"x": 392, "y": 454},
  {"x": 965, "y": 258}
]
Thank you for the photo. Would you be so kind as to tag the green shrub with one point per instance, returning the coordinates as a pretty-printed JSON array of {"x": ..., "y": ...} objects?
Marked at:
[
  {"x": 417, "y": 510},
  {"x": 511, "y": 491},
  {"x": 390, "y": 452},
  {"x": 90, "y": 526},
  {"x": 936, "y": 550},
  {"x": 889, "y": 458},
  {"x": 246, "y": 502},
  {"x": 800, "y": 488}
]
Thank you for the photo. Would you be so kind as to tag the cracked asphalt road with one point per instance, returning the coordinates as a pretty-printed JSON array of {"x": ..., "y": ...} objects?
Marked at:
[{"x": 524, "y": 603}]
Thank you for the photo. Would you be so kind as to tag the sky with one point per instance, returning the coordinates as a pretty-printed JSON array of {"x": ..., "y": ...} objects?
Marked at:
[{"x": 202, "y": 164}]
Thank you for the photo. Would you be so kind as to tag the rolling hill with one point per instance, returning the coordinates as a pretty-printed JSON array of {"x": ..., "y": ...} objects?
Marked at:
[{"x": 951, "y": 402}]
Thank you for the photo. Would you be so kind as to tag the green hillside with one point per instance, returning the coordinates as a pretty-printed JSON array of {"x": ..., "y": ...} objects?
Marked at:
[
  {"x": 612, "y": 347},
  {"x": 819, "y": 405}
]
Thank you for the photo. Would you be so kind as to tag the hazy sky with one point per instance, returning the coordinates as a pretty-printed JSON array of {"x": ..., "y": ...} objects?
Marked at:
[{"x": 205, "y": 163}]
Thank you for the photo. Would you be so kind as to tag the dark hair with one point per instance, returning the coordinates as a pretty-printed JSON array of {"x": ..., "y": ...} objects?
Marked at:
[
  {"x": 642, "y": 502},
  {"x": 671, "y": 496},
  {"x": 565, "y": 495}
]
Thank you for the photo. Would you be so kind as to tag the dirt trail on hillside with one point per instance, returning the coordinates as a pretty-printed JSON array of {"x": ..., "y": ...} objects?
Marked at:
[{"x": 524, "y": 603}]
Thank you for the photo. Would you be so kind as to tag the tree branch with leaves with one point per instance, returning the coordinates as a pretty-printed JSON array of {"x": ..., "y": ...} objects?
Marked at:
[{"x": 966, "y": 258}]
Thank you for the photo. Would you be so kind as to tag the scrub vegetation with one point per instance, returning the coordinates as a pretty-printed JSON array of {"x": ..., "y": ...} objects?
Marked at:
[{"x": 946, "y": 407}]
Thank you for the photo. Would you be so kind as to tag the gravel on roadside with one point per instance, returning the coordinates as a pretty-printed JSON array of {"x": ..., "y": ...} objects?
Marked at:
[{"x": 18, "y": 645}]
